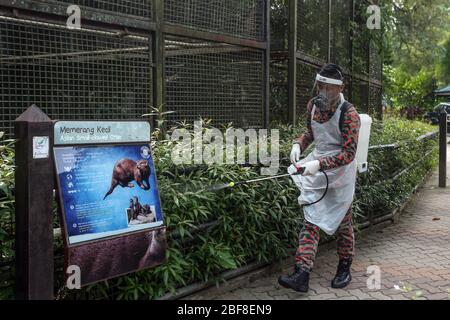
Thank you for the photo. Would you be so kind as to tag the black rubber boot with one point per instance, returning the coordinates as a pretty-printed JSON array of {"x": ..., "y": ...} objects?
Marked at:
[
  {"x": 343, "y": 275},
  {"x": 299, "y": 280}
]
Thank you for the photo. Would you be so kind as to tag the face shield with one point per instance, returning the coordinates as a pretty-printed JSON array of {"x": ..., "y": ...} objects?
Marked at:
[{"x": 327, "y": 92}]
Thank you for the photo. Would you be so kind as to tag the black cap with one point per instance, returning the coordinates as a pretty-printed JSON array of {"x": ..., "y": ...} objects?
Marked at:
[{"x": 332, "y": 71}]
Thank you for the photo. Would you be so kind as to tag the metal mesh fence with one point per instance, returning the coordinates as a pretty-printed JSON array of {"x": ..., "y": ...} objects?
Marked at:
[
  {"x": 279, "y": 26},
  {"x": 220, "y": 82},
  {"x": 347, "y": 89},
  {"x": 71, "y": 74},
  {"x": 312, "y": 28},
  {"x": 241, "y": 18},
  {"x": 361, "y": 95},
  {"x": 375, "y": 96},
  {"x": 278, "y": 91},
  {"x": 375, "y": 67},
  {"x": 306, "y": 76},
  {"x": 360, "y": 40},
  {"x": 336, "y": 32},
  {"x": 138, "y": 8},
  {"x": 341, "y": 12}
]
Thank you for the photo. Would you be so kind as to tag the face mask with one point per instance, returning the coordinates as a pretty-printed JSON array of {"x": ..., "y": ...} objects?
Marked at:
[{"x": 325, "y": 100}]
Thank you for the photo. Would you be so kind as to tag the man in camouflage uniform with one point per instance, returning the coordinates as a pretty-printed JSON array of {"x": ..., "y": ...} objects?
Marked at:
[{"x": 310, "y": 234}]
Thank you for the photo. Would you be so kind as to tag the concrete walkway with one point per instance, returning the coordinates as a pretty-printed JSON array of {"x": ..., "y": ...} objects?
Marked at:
[{"x": 413, "y": 256}]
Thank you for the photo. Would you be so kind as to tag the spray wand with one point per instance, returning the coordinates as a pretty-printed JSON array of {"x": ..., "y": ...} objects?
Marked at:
[
  {"x": 240, "y": 183},
  {"x": 300, "y": 170}
]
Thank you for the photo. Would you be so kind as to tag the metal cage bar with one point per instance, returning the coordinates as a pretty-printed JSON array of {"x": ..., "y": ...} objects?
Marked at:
[{"x": 136, "y": 8}]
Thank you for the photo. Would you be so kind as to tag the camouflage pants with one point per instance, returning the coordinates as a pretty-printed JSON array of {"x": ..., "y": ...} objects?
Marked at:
[{"x": 309, "y": 240}]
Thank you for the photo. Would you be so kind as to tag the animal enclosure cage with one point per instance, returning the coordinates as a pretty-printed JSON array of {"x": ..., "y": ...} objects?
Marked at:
[
  {"x": 318, "y": 32},
  {"x": 197, "y": 58},
  {"x": 72, "y": 74}
]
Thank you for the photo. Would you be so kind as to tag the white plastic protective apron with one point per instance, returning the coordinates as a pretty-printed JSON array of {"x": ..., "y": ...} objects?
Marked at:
[{"x": 328, "y": 213}]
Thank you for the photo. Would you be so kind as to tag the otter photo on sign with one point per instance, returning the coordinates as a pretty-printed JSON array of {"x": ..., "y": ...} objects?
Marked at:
[
  {"x": 108, "y": 190},
  {"x": 125, "y": 171}
]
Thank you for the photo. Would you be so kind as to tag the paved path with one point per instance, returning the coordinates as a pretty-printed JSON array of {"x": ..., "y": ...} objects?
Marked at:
[{"x": 413, "y": 253}]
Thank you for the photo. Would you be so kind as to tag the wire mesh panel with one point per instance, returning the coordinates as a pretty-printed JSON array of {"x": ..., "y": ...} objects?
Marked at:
[
  {"x": 312, "y": 28},
  {"x": 375, "y": 94},
  {"x": 279, "y": 28},
  {"x": 278, "y": 91},
  {"x": 347, "y": 86},
  {"x": 306, "y": 76},
  {"x": 138, "y": 8},
  {"x": 241, "y": 18},
  {"x": 71, "y": 74},
  {"x": 361, "y": 95},
  {"x": 375, "y": 68},
  {"x": 360, "y": 39},
  {"x": 215, "y": 81},
  {"x": 341, "y": 11}
]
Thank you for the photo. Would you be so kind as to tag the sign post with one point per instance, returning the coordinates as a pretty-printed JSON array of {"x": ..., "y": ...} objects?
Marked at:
[
  {"x": 443, "y": 149},
  {"x": 34, "y": 181}
]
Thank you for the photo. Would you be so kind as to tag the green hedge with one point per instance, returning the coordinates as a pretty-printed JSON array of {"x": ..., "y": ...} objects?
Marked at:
[
  {"x": 248, "y": 223},
  {"x": 6, "y": 215}
]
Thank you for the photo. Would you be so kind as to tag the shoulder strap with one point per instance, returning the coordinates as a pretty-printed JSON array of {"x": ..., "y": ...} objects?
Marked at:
[
  {"x": 344, "y": 109},
  {"x": 313, "y": 111}
]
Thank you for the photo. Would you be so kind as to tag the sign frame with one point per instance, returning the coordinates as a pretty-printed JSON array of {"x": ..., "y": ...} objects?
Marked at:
[{"x": 69, "y": 248}]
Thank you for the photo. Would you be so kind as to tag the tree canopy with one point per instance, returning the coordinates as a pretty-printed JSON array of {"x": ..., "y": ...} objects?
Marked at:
[{"x": 416, "y": 50}]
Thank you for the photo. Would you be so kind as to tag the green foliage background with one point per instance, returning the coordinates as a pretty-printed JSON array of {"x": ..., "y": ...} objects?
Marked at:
[{"x": 415, "y": 43}]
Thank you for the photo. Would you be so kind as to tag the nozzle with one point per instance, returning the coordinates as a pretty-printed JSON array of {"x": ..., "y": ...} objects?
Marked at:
[
  {"x": 300, "y": 170},
  {"x": 231, "y": 184}
]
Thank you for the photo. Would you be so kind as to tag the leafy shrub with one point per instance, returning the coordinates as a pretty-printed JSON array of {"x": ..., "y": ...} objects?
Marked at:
[{"x": 6, "y": 214}]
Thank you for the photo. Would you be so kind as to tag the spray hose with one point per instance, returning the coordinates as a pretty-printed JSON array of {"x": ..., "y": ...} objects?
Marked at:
[
  {"x": 325, "y": 192},
  {"x": 300, "y": 171}
]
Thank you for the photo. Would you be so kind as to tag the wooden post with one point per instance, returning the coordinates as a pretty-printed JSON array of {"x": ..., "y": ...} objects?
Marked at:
[
  {"x": 443, "y": 149},
  {"x": 34, "y": 181}
]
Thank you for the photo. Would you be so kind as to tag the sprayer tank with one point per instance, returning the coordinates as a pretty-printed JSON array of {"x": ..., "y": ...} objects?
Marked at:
[{"x": 363, "y": 142}]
